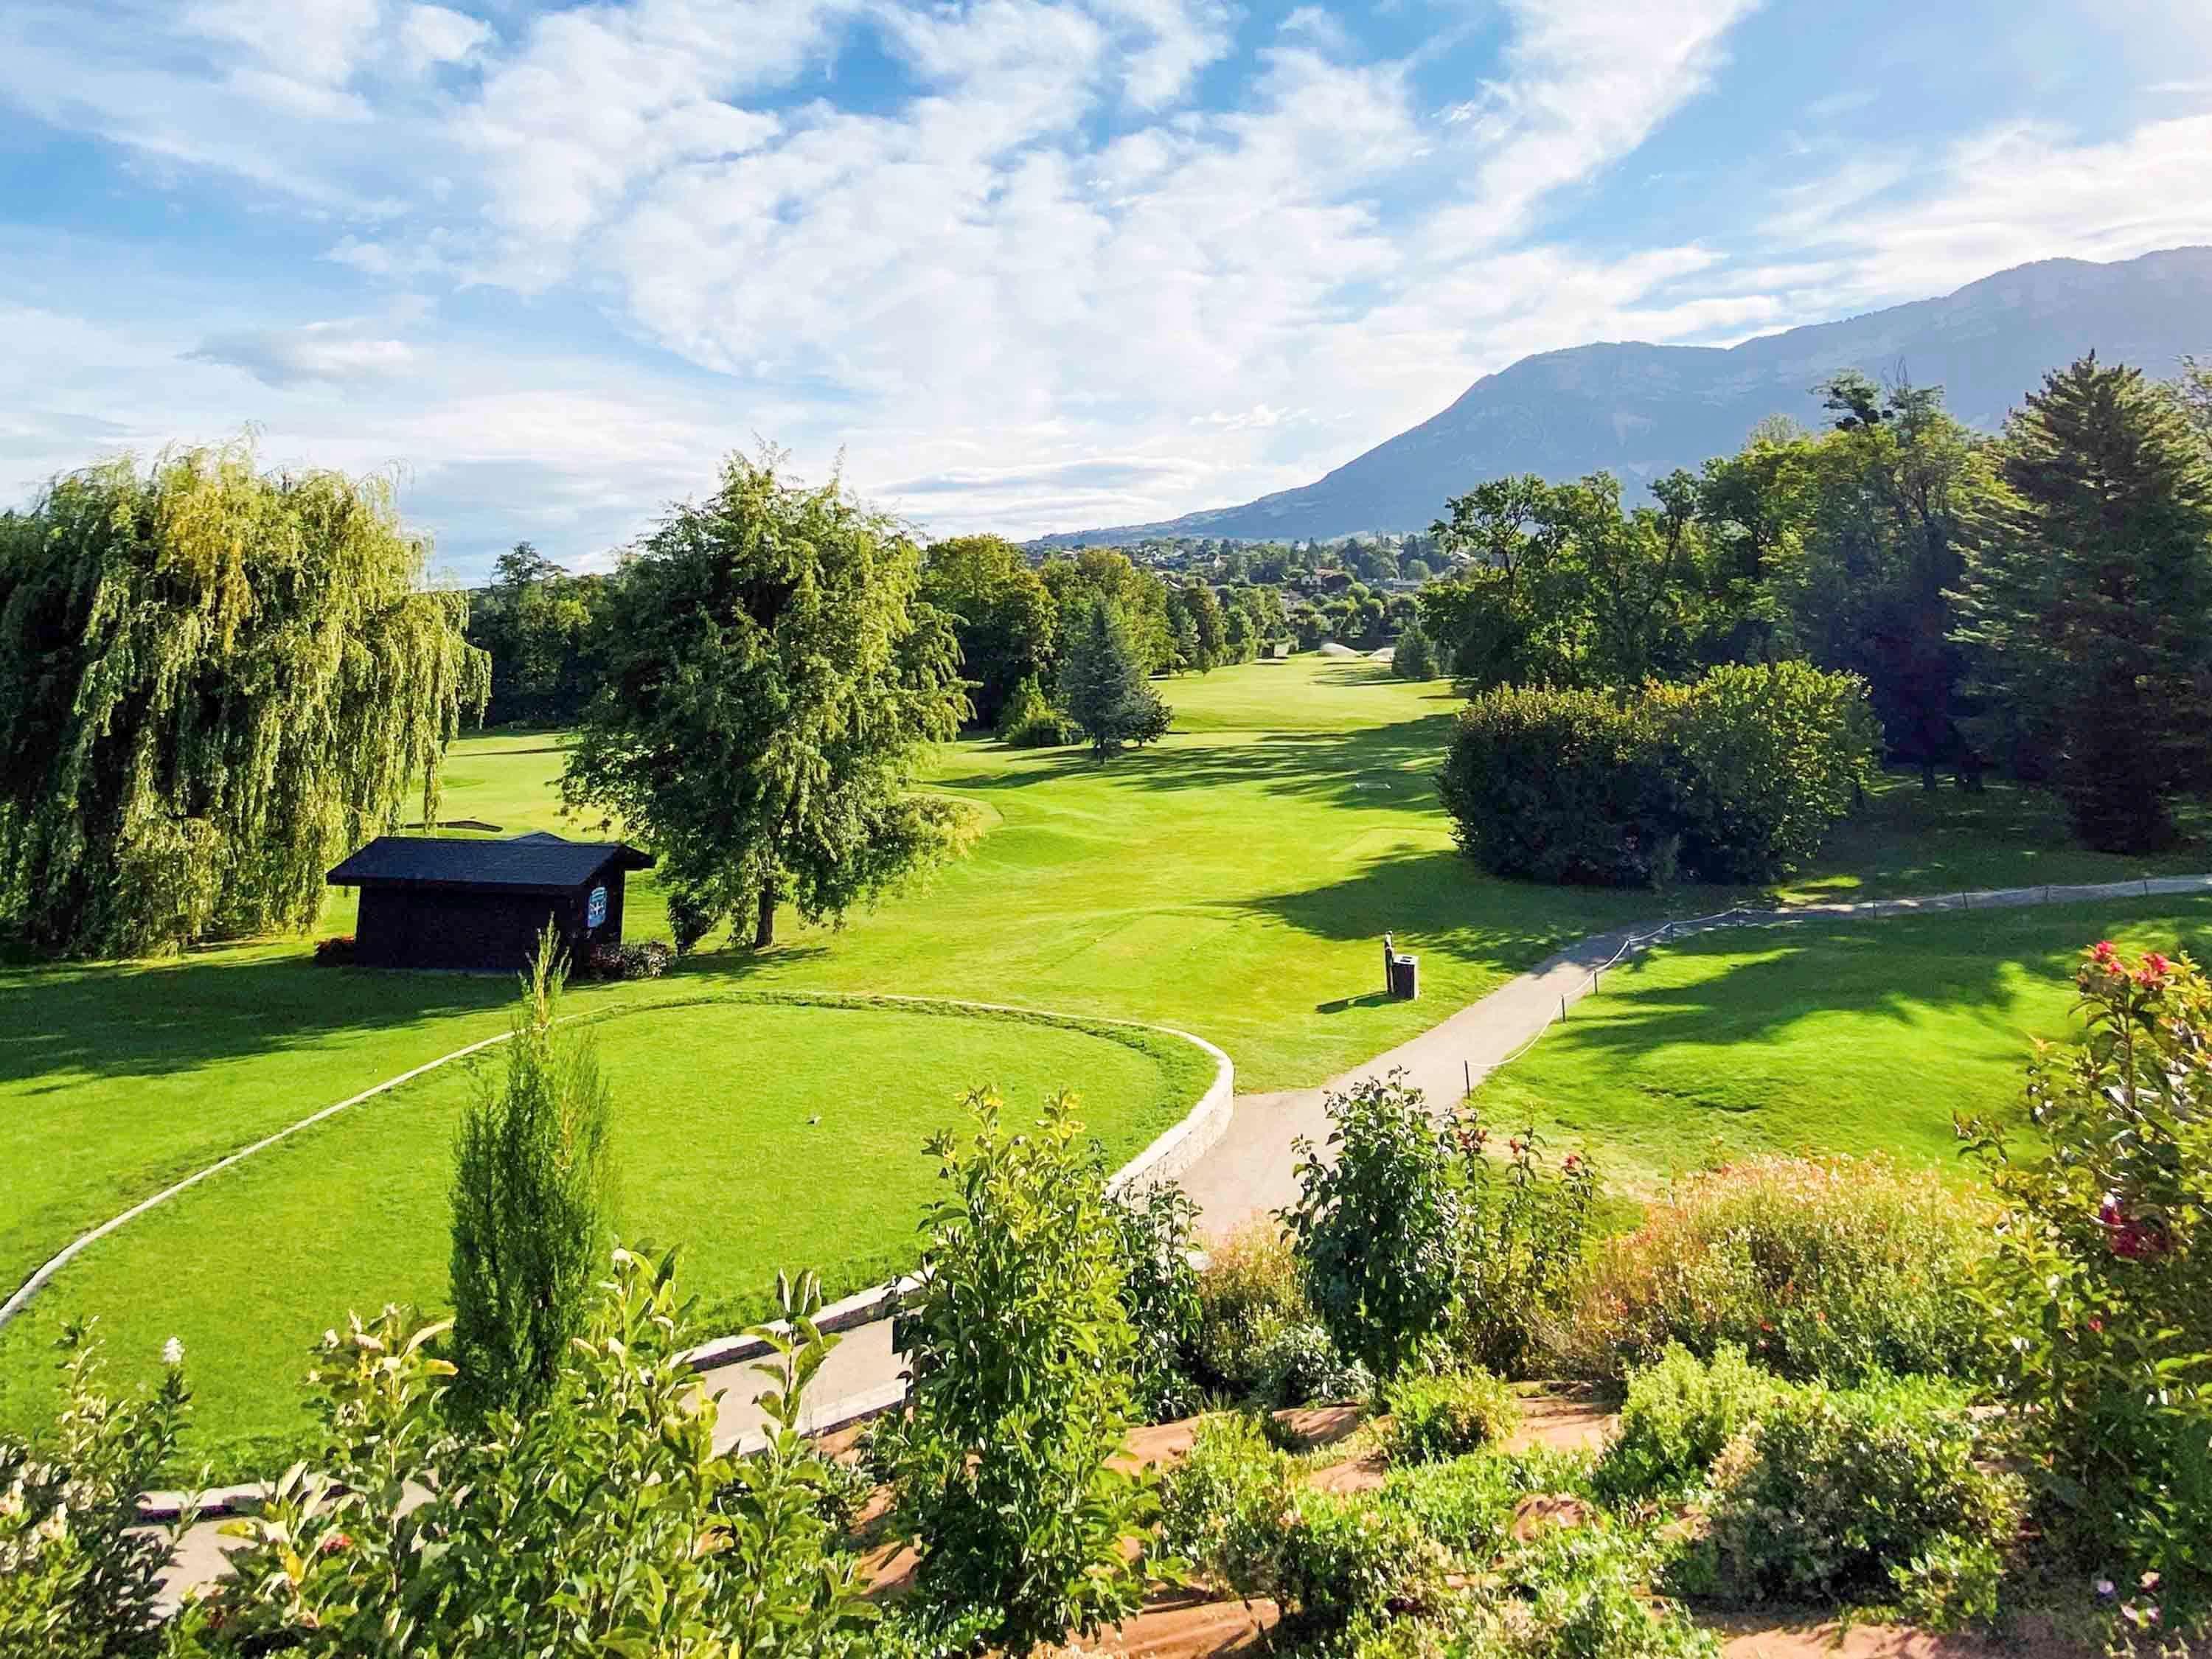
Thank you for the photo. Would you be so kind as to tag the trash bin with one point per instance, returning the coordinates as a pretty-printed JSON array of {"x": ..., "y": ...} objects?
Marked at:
[{"x": 1405, "y": 977}]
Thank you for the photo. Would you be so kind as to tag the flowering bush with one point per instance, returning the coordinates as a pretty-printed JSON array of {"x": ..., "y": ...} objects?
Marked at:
[
  {"x": 2100, "y": 1288},
  {"x": 1524, "y": 1234},
  {"x": 79, "y": 1576},
  {"x": 1838, "y": 1267},
  {"x": 646, "y": 959}
]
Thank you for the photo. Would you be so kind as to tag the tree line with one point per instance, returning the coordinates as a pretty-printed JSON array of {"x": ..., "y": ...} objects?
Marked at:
[{"x": 2038, "y": 601}]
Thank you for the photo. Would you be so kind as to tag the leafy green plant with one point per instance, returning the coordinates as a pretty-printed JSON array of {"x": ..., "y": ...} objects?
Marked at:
[
  {"x": 1021, "y": 1357},
  {"x": 1224, "y": 1508},
  {"x": 1524, "y": 1234},
  {"x": 1829, "y": 1491},
  {"x": 1439, "y": 1417},
  {"x": 1763, "y": 759},
  {"x": 1296, "y": 1364},
  {"x": 1029, "y": 719},
  {"x": 1377, "y": 1228},
  {"x": 1680, "y": 1414},
  {"x": 1339, "y": 1557},
  {"x": 1159, "y": 1290},
  {"x": 1559, "y": 785},
  {"x": 1257, "y": 1335},
  {"x": 530, "y": 1198},
  {"x": 2101, "y": 1286},
  {"x": 606, "y": 1524},
  {"x": 1591, "y": 1600},
  {"x": 1841, "y": 1269},
  {"x": 80, "y": 1574}
]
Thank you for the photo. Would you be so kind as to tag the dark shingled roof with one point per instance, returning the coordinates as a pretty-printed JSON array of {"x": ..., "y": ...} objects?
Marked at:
[{"x": 539, "y": 861}]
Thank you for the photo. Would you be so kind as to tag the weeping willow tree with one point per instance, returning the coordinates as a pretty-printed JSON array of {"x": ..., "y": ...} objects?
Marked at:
[{"x": 214, "y": 682}]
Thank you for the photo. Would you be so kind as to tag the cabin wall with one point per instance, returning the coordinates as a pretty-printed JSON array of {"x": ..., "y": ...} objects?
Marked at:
[{"x": 402, "y": 927}]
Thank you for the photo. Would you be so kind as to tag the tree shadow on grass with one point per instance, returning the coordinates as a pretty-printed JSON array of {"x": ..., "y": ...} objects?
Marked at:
[
  {"x": 1383, "y": 766},
  {"x": 1893, "y": 970},
  {"x": 70, "y": 1020}
]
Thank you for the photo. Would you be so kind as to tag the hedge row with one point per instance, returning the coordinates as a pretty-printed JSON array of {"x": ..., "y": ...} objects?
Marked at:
[{"x": 1736, "y": 777}]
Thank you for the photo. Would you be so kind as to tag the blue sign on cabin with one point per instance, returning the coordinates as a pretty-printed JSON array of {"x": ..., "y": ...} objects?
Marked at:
[{"x": 595, "y": 907}]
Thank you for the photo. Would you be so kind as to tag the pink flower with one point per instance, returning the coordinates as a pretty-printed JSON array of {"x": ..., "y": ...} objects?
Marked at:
[{"x": 2104, "y": 953}]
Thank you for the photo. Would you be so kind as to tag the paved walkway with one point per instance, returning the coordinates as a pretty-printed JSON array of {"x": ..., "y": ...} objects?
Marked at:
[{"x": 1248, "y": 1172}]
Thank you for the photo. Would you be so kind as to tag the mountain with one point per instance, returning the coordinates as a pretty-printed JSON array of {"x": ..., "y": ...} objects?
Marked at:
[{"x": 1641, "y": 410}]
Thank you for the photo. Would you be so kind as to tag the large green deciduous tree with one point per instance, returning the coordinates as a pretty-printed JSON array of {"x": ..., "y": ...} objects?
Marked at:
[
  {"x": 1109, "y": 573},
  {"x": 1001, "y": 611},
  {"x": 774, "y": 685},
  {"x": 2086, "y": 603},
  {"x": 214, "y": 684}
]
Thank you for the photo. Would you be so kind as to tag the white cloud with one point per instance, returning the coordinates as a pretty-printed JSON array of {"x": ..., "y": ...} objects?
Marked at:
[
  {"x": 339, "y": 351},
  {"x": 432, "y": 35},
  {"x": 1022, "y": 275},
  {"x": 319, "y": 40},
  {"x": 2002, "y": 197}
]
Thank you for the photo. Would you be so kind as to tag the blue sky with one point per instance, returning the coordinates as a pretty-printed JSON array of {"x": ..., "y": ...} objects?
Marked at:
[{"x": 1023, "y": 266}]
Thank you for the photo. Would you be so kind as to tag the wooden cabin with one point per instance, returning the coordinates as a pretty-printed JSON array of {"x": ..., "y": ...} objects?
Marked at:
[{"x": 430, "y": 902}]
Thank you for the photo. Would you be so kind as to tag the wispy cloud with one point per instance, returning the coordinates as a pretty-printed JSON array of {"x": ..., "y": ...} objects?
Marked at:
[{"x": 1027, "y": 263}]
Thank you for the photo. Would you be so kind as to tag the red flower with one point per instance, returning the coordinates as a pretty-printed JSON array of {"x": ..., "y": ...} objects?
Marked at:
[
  {"x": 2097, "y": 1325},
  {"x": 2103, "y": 953},
  {"x": 337, "y": 1542}
]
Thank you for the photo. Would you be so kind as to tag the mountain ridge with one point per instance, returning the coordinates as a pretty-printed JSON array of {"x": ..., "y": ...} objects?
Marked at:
[{"x": 1639, "y": 409}]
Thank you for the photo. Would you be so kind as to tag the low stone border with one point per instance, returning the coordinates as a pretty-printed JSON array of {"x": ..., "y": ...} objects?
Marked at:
[{"x": 1172, "y": 1153}]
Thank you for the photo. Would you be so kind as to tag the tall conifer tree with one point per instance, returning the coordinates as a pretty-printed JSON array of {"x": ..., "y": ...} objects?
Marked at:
[{"x": 2087, "y": 602}]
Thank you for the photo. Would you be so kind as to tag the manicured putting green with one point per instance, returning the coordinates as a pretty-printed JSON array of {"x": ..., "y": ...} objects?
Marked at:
[
  {"x": 717, "y": 1151},
  {"x": 1830, "y": 1037}
]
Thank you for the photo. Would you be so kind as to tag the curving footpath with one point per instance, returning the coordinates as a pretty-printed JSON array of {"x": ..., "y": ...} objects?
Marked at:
[{"x": 1234, "y": 1159}]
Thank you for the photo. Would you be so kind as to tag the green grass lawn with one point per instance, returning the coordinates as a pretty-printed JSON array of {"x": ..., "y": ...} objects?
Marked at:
[
  {"x": 1823, "y": 1035},
  {"x": 1233, "y": 880},
  {"x": 715, "y": 1150}
]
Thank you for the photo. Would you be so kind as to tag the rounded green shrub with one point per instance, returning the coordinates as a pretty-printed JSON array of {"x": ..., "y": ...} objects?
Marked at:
[
  {"x": 1680, "y": 1415},
  {"x": 1558, "y": 786},
  {"x": 1434, "y": 1417},
  {"x": 1832, "y": 1496},
  {"x": 1736, "y": 777},
  {"x": 1224, "y": 1507}
]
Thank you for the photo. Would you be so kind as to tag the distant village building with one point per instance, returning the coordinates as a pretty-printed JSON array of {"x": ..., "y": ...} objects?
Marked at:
[{"x": 427, "y": 902}]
